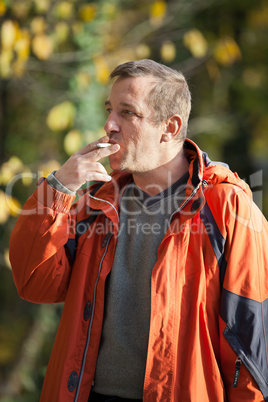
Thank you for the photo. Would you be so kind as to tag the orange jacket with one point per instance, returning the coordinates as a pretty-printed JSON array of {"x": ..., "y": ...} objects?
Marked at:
[{"x": 209, "y": 296}]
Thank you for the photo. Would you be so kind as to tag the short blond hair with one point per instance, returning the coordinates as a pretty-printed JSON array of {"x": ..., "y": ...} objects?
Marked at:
[{"x": 170, "y": 94}]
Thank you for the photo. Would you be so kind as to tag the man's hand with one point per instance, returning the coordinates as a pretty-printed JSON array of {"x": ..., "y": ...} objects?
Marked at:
[{"x": 83, "y": 165}]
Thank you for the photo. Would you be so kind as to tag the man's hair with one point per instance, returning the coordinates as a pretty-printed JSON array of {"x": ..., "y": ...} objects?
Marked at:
[{"x": 170, "y": 94}]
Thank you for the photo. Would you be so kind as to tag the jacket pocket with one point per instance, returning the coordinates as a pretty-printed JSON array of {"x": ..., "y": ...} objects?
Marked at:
[{"x": 247, "y": 360}]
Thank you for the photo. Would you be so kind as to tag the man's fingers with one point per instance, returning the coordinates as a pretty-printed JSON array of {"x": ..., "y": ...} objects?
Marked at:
[
  {"x": 94, "y": 167},
  {"x": 100, "y": 153},
  {"x": 93, "y": 153},
  {"x": 83, "y": 165}
]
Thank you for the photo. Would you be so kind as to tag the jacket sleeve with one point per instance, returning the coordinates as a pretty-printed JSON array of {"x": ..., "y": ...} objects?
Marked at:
[
  {"x": 40, "y": 266},
  {"x": 243, "y": 320}
]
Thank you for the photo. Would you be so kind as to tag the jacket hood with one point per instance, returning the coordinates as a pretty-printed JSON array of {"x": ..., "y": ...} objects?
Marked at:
[{"x": 203, "y": 169}]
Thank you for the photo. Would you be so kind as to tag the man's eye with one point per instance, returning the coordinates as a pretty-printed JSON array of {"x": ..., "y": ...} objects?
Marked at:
[
  {"x": 109, "y": 111},
  {"x": 128, "y": 112}
]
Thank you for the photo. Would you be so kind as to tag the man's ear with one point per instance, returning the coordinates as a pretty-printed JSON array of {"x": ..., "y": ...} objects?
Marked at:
[{"x": 171, "y": 128}]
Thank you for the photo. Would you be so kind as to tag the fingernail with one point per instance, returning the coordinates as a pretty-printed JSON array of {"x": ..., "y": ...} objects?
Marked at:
[{"x": 115, "y": 146}]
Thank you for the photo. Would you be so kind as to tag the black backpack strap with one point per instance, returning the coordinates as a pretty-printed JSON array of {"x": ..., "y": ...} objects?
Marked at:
[{"x": 216, "y": 239}]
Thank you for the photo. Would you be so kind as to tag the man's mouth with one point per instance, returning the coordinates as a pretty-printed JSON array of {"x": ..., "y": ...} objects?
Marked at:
[{"x": 112, "y": 141}]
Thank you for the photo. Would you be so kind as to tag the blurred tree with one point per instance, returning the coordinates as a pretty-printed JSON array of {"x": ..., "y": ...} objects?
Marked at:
[{"x": 55, "y": 60}]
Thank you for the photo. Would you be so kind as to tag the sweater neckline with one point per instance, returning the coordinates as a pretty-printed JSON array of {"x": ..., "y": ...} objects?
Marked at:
[{"x": 176, "y": 189}]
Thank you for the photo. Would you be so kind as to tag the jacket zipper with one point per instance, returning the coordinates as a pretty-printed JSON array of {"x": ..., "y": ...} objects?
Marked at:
[
  {"x": 238, "y": 363},
  {"x": 107, "y": 202},
  {"x": 90, "y": 324}
]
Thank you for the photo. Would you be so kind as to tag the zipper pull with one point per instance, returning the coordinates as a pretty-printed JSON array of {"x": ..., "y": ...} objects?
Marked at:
[{"x": 238, "y": 363}]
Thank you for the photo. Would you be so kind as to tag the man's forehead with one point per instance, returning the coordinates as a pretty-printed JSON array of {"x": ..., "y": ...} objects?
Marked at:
[{"x": 124, "y": 104}]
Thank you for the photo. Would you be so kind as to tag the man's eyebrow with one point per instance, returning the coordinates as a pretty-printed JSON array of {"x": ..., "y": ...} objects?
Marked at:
[
  {"x": 128, "y": 105},
  {"x": 124, "y": 104}
]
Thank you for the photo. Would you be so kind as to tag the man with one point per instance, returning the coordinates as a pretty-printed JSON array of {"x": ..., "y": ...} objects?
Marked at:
[{"x": 161, "y": 265}]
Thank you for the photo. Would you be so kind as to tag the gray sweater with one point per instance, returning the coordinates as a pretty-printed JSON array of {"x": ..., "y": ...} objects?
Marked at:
[{"x": 122, "y": 355}]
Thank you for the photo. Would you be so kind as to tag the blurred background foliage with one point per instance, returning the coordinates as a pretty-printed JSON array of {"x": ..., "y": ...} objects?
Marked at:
[{"x": 55, "y": 60}]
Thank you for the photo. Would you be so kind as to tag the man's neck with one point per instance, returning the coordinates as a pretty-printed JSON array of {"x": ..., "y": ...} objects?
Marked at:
[{"x": 159, "y": 179}]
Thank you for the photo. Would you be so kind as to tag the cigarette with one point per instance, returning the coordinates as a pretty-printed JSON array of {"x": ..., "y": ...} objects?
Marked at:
[{"x": 103, "y": 144}]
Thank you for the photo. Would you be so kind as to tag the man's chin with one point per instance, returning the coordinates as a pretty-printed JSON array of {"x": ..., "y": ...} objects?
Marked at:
[
  {"x": 116, "y": 163},
  {"x": 120, "y": 168}
]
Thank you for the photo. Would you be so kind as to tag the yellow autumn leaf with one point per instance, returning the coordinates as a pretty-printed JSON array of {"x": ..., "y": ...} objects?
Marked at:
[
  {"x": 102, "y": 70},
  {"x": 4, "y": 211},
  {"x": 2, "y": 8},
  {"x": 9, "y": 33},
  {"x": 158, "y": 9},
  {"x": 64, "y": 10},
  {"x": 42, "y": 46},
  {"x": 22, "y": 45},
  {"x": 27, "y": 177},
  {"x": 8, "y": 169},
  {"x": 196, "y": 43},
  {"x": 168, "y": 51},
  {"x": 87, "y": 12},
  {"x": 6, "y": 57},
  {"x": 41, "y": 6},
  {"x": 61, "y": 116},
  {"x": 38, "y": 25},
  {"x": 61, "y": 32},
  {"x": 227, "y": 51},
  {"x": 46, "y": 168},
  {"x": 6, "y": 258},
  {"x": 13, "y": 205},
  {"x": 143, "y": 51},
  {"x": 6, "y": 174},
  {"x": 73, "y": 141},
  {"x": 15, "y": 163}
]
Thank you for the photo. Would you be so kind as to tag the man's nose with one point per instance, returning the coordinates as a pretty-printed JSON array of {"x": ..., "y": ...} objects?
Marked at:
[{"x": 111, "y": 126}]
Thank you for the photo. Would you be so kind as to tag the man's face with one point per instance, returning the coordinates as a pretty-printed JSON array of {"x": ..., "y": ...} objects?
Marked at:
[{"x": 130, "y": 124}]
